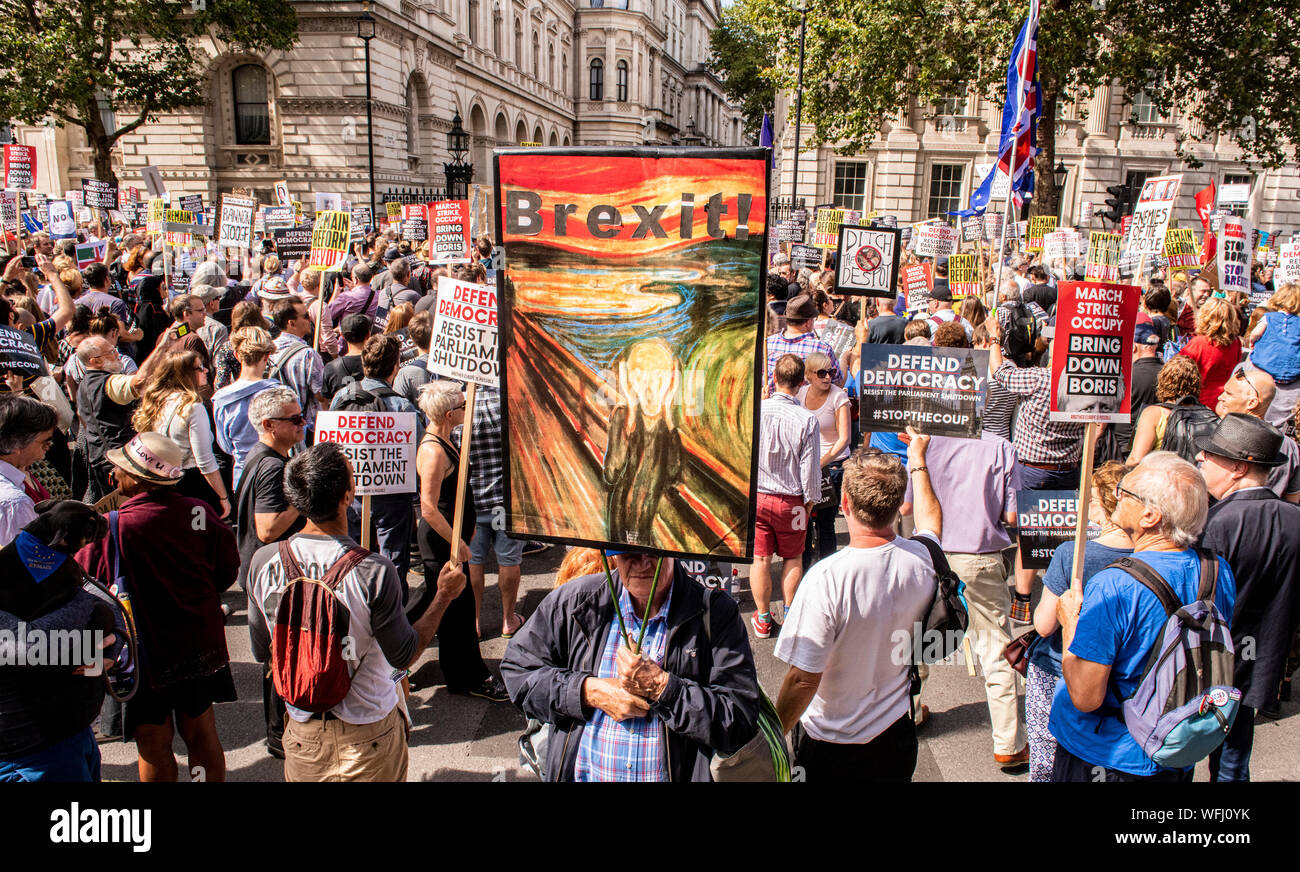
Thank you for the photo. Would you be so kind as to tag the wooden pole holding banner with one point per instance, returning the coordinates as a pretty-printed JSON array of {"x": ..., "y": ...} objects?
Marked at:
[
  {"x": 462, "y": 475},
  {"x": 365, "y": 523},
  {"x": 1090, "y": 432}
]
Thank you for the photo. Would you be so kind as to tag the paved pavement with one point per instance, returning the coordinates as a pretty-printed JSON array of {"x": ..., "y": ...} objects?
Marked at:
[{"x": 458, "y": 738}]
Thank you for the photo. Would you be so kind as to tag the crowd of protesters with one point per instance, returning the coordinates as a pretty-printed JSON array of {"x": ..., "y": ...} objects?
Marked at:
[{"x": 186, "y": 416}]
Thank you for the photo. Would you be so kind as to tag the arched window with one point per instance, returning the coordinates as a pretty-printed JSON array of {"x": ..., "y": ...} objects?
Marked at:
[
  {"x": 564, "y": 72},
  {"x": 537, "y": 54},
  {"x": 471, "y": 22},
  {"x": 597, "y": 79},
  {"x": 496, "y": 30},
  {"x": 550, "y": 67},
  {"x": 620, "y": 81},
  {"x": 252, "y": 112},
  {"x": 519, "y": 45}
]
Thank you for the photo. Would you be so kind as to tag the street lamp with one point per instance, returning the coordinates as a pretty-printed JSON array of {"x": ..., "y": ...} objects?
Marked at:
[
  {"x": 1059, "y": 172},
  {"x": 459, "y": 172},
  {"x": 365, "y": 33},
  {"x": 798, "y": 107},
  {"x": 692, "y": 137}
]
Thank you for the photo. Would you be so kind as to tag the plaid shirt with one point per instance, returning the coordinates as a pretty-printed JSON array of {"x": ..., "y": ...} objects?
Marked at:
[
  {"x": 1037, "y": 438},
  {"x": 778, "y": 345},
  {"x": 304, "y": 373},
  {"x": 633, "y": 749},
  {"x": 485, "y": 460}
]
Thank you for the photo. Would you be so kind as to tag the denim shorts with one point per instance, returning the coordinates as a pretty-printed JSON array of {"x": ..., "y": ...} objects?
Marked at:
[{"x": 510, "y": 552}]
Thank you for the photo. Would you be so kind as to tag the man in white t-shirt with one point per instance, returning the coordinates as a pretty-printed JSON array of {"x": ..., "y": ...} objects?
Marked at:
[
  {"x": 848, "y": 636},
  {"x": 363, "y": 738}
]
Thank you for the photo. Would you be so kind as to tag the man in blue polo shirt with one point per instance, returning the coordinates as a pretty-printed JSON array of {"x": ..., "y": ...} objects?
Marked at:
[{"x": 1108, "y": 631}]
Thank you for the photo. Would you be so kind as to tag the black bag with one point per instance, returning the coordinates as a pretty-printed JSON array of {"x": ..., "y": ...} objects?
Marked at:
[
  {"x": 1020, "y": 331},
  {"x": 357, "y": 399},
  {"x": 947, "y": 615},
  {"x": 1188, "y": 422}
]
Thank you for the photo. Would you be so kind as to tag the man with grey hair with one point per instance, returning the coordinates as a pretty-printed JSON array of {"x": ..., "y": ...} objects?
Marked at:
[
  {"x": 264, "y": 514},
  {"x": 1109, "y": 630}
]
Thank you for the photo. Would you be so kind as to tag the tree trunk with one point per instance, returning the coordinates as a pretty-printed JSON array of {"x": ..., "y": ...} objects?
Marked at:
[
  {"x": 1047, "y": 198},
  {"x": 99, "y": 140}
]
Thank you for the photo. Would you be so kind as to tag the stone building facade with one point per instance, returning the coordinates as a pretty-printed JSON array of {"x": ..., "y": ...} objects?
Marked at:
[
  {"x": 554, "y": 72},
  {"x": 928, "y": 160}
]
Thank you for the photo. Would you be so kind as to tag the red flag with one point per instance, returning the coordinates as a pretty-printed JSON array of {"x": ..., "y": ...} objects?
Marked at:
[{"x": 1204, "y": 206}]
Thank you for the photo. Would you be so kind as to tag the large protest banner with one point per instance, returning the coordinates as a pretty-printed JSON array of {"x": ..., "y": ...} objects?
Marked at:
[
  {"x": 449, "y": 231},
  {"x": 1102, "y": 262},
  {"x": 463, "y": 345},
  {"x": 1235, "y": 254},
  {"x": 178, "y": 237},
  {"x": 918, "y": 282},
  {"x": 805, "y": 257},
  {"x": 867, "y": 261},
  {"x": 1151, "y": 215},
  {"x": 940, "y": 391},
  {"x": 963, "y": 276},
  {"x": 329, "y": 240},
  {"x": 236, "y": 227},
  {"x": 934, "y": 240},
  {"x": 381, "y": 447},
  {"x": 1039, "y": 226},
  {"x": 1047, "y": 519},
  {"x": 1181, "y": 248},
  {"x": 631, "y": 322},
  {"x": 293, "y": 243},
  {"x": 415, "y": 222},
  {"x": 20, "y": 167},
  {"x": 826, "y": 232},
  {"x": 1092, "y": 352}
]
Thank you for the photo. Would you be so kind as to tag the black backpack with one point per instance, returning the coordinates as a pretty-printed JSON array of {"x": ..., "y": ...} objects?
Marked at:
[
  {"x": 1021, "y": 330},
  {"x": 355, "y": 398},
  {"x": 1188, "y": 422},
  {"x": 947, "y": 617}
]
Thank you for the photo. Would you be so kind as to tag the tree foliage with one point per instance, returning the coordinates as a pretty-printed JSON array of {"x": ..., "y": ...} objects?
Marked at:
[
  {"x": 1231, "y": 65},
  {"x": 68, "y": 59},
  {"x": 741, "y": 58}
]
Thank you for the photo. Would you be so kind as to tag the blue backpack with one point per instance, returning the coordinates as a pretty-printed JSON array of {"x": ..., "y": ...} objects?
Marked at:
[{"x": 1185, "y": 703}]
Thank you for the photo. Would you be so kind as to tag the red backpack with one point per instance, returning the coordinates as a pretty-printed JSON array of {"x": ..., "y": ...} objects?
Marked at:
[{"x": 311, "y": 623}]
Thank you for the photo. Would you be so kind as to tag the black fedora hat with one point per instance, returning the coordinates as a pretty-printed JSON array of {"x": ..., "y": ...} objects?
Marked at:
[{"x": 1246, "y": 438}]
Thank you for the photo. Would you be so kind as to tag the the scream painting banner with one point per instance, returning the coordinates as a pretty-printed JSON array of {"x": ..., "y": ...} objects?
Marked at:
[{"x": 630, "y": 335}]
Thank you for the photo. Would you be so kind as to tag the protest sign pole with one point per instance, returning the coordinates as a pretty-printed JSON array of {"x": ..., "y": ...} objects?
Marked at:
[
  {"x": 365, "y": 523},
  {"x": 1085, "y": 497},
  {"x": 462, "y": 474},
  {"x": 1002, "y": 239}
]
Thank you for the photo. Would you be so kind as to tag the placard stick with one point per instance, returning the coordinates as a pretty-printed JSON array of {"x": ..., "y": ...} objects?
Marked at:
[
  {"x": 462, "y": 474},
  {"x": 1085, "y": 497},
  {"x": 365, "y": 523},
  {"x": 970, "y": 657}
]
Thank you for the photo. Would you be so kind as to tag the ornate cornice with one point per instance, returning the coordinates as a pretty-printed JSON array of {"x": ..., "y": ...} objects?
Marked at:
[{"x": 337, "y": 106}]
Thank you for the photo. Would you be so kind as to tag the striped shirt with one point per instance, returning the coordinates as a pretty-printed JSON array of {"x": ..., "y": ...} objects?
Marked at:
[
  {"x": 1037, "y": 438},
  {"x": 303, "y": 371},
  {"x": 631, "y": 749},
  {"x": 789, "y": 449},
  {"x": 779, "y": 345}
]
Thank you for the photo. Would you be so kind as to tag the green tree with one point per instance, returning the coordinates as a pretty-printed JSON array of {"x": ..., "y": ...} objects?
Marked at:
[
  {"x": 72, "y": 59},
  {"x": 1232, "y": 66},
  {"x": 741, "y": 58}
]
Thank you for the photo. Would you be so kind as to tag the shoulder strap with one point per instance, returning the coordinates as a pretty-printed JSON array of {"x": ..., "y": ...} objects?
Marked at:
[
  {"x": 1152, "y": 581},
  {"x": 345, "y": 564},
  {"x": 1209, "y": 576},
  {"x": 115, "y": 545},
  {"x": 283, "y": 359},
  {"x": 288, "y": 561}
]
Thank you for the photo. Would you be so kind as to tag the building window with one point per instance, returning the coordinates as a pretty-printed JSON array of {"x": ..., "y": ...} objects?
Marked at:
[
  {"x": 537, "y": 54},
  {"x": 851, "y": 185},
  {"x": 945, "y": 189},
  {"x": 1144, "y": 110},
  {"x": 1238, "y": 209},
  {"x": 496, "y": 30},
  {"x": 252, "y": 112},
  {"x": 951, "y": 106},
  {"x": 550, "y": 66},
  {"x": 1134, "y": 180},
  {"x": 519, "y": 46},
  {"x": 472, "y": 22},
  {"x": 621, "y": 81},
  {"x": 597, "y": 79},
  {"x": 564, "y": 72}
]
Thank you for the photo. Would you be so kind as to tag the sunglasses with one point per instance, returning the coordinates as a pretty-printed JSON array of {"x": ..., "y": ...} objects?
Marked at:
[
  {"x": 1240, "y": 375},
  {"x": 824, "y": 373},
  {"x": 1121, "y": 491},
  {"x": 296, "y": 420}
]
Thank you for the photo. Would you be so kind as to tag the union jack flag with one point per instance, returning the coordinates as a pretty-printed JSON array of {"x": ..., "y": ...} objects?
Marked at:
[{"x": 1024, "y": 106}]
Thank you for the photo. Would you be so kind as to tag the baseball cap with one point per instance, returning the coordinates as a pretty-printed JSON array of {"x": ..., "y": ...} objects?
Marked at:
[
  {"x": 1146, "y": 334},
  {"x": 941, "y": 291}
]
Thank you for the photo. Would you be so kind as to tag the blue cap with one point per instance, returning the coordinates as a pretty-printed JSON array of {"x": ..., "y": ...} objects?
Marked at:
[
  {"x": 609, "y": 553},
  {"x": 1146, "y": 334}
]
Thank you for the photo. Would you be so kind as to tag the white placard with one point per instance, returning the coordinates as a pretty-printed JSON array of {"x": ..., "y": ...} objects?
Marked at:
[
  {"x": 381, "y": 446},
  {"x": 1235, "y": 254},
  {"x": 236, "y": 227},
  {"x": 1288, "y": 265},
  {"x": 1238, "y": 193},
  {"x": 1085, "y": 213},
  {"x": 464, "y": 341},
  {"x": 935, "y": 240},
  {"x": 1151, "y": 215}
]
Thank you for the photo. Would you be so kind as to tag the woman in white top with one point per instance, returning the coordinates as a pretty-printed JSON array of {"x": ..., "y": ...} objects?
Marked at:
[
  {"x": 171, "y": 405},
  {"x": 830, "y": 404}
]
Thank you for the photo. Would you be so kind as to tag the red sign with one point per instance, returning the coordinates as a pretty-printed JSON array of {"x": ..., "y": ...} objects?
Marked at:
[
  {"x": 1205, "y": 205},
  {"x": 1092, "y": 352},
  {"x": 917, "y": 284},
  {"x": 449, "y": 240},
  {"x": 20, "y": 167}
]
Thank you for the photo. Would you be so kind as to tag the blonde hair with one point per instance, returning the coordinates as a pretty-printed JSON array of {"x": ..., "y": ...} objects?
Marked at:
[
  {"x": 71, "y": 276},
  {"x": 1218, "y": 322},
  {"x": 875, "y": 483},
  {"x": 399, "y": 317},
  {"x": 175, "y": 376},
  {"x": 1286, "y": 299},
  {"x": 438, "y": 398},
  {"x": 251, "y": 344}
]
